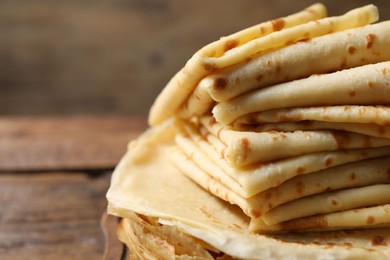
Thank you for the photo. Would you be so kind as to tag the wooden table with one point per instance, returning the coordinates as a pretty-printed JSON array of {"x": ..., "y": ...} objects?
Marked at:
[{"x": 54, "y": 174}]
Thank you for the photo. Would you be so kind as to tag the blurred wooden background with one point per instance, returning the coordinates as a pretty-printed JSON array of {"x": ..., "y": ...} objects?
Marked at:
[{"x": 66, "y": 57}]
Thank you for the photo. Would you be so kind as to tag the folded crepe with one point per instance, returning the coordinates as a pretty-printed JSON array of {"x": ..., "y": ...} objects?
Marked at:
[
  {"x": 364, "y": 85},
  {"x": 273, "y": 142}
]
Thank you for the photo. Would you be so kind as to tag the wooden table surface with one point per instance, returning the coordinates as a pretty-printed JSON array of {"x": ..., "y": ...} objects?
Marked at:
[{"x": 54, "y": 174}]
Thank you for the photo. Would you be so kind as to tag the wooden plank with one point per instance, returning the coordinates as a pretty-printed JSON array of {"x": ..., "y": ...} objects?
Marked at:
[
  {"x": 114, "y": 249},
  {"x": 33, "y": 144},
  {"x": 52, "y": 215}
]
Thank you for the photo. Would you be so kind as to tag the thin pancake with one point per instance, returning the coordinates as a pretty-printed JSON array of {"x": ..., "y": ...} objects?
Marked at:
[
  {"x": 245, "y": 148},
  {"x": 335, "y": 201},
  {"x": 365, "y": 129},
  {"x": 364, "y": 85},
  {"x": 379, "y": 115},
  {"x": 184, "y": 82},
  {"x": 337, "y": 51},
  {"x": 368, "y": 217}
]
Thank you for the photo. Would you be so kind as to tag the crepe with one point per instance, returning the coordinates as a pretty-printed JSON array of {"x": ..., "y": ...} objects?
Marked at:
[
  {"x": 251, "y": 180},
  {"x": 378, "y": 115},
  {"x": 365, "y": 129},
  {"x": 245, "y": 148},
  {"x": 223, "y": 226},
  {"x": 152, "y": 241},
  {"x": 238, "y": 47},
  {"x": 329, "y": 202},
  {"x": 364, "y": 85},
  {"x": 337, "y": 51},
  {"x": 369, "y": 217}
]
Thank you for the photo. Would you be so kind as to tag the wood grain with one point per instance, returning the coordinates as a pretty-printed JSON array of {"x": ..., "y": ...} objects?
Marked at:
[
  {"x": 33, "y": 144},
  {"x": 113, "y": 56},
  {"x": 52, "y": 215},
  {"x": 114, "y": 249},
  {"x": 54, "y": 174}
]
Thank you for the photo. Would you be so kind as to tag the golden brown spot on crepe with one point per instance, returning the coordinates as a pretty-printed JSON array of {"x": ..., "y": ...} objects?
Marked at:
[
  {"x": 352, "y": 176},
  {"x": 237, "y": 80},
  {"x": 371, "y": 84},
  {"x": 289, "y": 42},
  {"x": 370, "y": 220},
  {"x": 223, "y": 151},
  {"x": 328, "y": 162},
  {"x": 343, "y": 63},
  {"x": 381, "y": 130},
  {"x": 352, "y": 93},
  {"x": 334, "y": 202},
  {"x": 300, "y": 170},
  {"x": 262, "y": 30},
  {"x": 278, "y": 24},
  {"x": 370, "y": 40},
  {"x": 367, "y": 141},
  {"x": 327, "y": 189},
  {"x": 306, "y": 39},
  {"x": 351, "y": 49},
  {"x": 385, "y": 71},
  {"x": 185, "y": 105},
  {"x": 212, "y": 122},
  {"x": 202, "y": 139},
  {"x": 342, "y": 139},
  {"x": 329, "y": 245},
  {"x": 347, "y": 245},
  {"x": 379, "y": 241},
  {"x": 220, "y": 83},
  {"x": 230, "y": 44},
  {"x": 269, "y": 62},
  {"x": 246, "y": 146},
  {"x": 312, "y": 11},
  {"x": 300, "y": 187},
  {"x": 267, "y": 195},
  {"x": 304, "y": 223},
  {"x": 208, "y": 67},
  {"x": 278, "y": 68},
  {"x": 259, "y": 77},
  {"x": 254, "y": 213}
]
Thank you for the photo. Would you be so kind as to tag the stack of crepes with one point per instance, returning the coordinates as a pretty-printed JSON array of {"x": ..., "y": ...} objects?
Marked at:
[{"x": 273, "y": 142}]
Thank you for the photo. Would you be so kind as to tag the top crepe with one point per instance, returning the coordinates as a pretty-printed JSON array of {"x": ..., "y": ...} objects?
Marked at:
[{"x": 240, "y": 46}]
